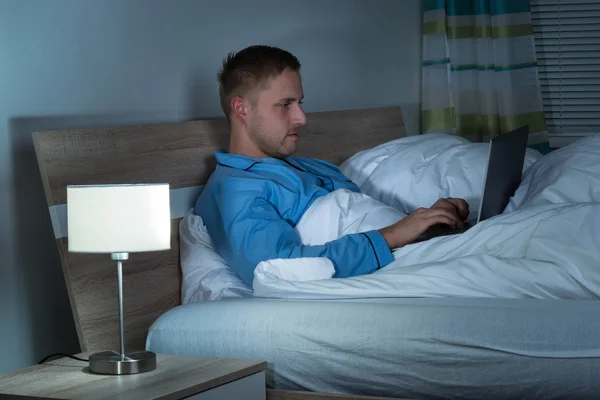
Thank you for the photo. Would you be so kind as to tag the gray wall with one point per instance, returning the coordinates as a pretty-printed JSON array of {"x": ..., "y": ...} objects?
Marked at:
[{"x": 76, "y": 63}]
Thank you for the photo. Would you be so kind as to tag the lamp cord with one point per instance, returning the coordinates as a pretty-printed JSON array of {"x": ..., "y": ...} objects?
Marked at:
[{"x": 62, "y": 355}]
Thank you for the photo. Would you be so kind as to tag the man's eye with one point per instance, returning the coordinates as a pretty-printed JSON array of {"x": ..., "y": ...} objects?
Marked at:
[{"x": 286, "y": 105}]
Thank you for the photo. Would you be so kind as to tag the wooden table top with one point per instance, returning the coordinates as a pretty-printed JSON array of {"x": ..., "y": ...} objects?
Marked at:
[{"x": 175, "y": 377}]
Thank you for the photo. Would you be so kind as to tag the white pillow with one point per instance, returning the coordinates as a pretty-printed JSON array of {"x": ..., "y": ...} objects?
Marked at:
[
  {"x": 205, "y": 275},
  {"x": 570, "y": 174},
  {"x": 361, "y": 165},
  {"x": 416, "y": 171}
]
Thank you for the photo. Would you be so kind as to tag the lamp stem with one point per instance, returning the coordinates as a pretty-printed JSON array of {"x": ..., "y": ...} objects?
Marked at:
[
  {"x": 120, "y": 277},
  {"x": 119, "y": 257},
  {"x": 111, "y": 362}
]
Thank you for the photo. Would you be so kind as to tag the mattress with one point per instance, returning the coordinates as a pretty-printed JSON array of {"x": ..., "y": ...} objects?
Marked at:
[{"x": 416, "y": 348}]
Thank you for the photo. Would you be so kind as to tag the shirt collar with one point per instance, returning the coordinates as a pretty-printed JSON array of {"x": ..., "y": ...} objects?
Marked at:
[{"x": 239, "y": 161}]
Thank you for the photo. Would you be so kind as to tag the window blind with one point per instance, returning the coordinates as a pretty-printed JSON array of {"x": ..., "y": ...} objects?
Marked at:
[{"x": 567, "y": 44}]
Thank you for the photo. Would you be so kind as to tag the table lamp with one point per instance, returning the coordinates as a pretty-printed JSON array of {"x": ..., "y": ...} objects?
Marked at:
[{"x": 118, "y": 220}]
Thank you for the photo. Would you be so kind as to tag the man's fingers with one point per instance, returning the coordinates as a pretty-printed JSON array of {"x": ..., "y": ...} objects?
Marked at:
[
  {"x": 461, "y": 206},
  {"x": 450, "y": 217},
  {"x": 442, "y": 219},
  {"x": 449, "y": 214}
]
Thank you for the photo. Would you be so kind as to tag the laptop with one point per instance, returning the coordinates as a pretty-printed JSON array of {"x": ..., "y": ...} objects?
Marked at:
[{"x": 502, "y": 178}]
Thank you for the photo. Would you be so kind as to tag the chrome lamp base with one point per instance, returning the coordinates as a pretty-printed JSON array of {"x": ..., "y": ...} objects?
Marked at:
[{"x": 113, "y": 363}]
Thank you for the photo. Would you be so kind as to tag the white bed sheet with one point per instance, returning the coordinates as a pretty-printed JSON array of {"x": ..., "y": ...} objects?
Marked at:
[
  {"x": 545, "y": 252},
  {"x": 415, "y": 348},
  {"x": 545, "y": 245}
]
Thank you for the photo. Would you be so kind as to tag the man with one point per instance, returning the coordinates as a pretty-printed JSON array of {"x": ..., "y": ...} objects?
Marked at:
[{"x": 259, "y": 192}]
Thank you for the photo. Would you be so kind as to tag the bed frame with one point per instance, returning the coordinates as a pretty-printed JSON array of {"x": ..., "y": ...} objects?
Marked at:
[{"x": 180, "y": 154}]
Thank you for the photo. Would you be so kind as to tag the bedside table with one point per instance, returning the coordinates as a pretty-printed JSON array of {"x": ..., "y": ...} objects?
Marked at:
[{"x": 175, "y": 377}]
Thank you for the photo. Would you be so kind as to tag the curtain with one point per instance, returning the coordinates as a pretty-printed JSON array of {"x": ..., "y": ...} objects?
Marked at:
[{"x": 480, "y": 75}]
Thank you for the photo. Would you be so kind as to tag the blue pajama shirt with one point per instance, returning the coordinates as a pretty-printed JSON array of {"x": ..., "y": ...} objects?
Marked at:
[{"x": 250, "y": 207}]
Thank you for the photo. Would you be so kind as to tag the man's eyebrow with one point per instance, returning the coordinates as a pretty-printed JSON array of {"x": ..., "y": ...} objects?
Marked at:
[{"x": 289, "y": 99}]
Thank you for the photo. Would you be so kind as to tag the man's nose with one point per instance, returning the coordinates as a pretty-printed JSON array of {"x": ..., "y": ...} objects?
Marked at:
[{"x": 299, "y": 116}]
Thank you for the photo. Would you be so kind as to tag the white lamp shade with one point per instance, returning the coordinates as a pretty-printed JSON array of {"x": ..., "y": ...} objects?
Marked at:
[{"x": 118, "y": 218}]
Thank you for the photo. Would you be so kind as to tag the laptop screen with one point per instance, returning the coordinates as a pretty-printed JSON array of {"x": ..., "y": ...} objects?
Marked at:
[{"x": 504, "y": 171}]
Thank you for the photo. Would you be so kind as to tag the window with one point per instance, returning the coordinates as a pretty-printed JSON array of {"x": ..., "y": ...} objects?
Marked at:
[{"x": 567, "y": 43}]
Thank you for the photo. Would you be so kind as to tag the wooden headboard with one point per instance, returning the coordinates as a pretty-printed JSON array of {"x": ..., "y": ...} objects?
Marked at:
[{"x": 180, "y": 154}]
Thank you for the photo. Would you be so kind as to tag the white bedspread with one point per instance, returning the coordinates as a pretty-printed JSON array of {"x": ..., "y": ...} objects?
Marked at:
[
  {"x": 545, "y": 245},
  {"x": 548, "y": 251}
]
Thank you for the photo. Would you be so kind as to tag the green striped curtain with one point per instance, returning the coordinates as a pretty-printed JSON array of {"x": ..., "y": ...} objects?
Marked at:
[{"x": 480, "y": 76}]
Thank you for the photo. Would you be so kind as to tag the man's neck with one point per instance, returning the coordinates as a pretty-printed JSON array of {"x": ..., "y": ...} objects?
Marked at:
[
  {"x": 240, "y": 143},
  {"x": 245, "y": 149}
]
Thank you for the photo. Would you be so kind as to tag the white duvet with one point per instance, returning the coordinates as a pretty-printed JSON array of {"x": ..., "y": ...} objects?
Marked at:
[
  {"x": 550, "y": 251},
  {"x": 545, "y": 245}
]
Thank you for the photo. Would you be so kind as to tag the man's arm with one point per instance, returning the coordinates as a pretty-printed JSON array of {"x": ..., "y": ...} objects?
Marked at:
[{"x": 248, "y": 230}]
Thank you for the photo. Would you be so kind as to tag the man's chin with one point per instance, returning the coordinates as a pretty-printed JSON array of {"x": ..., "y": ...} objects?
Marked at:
[
  {"x": 288, "y": 151},
  {"x": 282, "y": 152}
]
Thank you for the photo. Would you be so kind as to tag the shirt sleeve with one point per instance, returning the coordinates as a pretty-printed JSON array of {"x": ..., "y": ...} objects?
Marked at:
[{"x": 250, "y": 230}]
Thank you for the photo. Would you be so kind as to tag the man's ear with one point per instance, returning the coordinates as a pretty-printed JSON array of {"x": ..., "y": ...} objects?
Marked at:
[{"x": 239, "y": 109}]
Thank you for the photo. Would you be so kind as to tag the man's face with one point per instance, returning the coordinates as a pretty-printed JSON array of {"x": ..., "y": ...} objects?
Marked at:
[{"x": 276, "y": 115}]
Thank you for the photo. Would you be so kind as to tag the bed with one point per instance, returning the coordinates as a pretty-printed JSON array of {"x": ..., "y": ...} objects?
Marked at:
[{"x": 388, "y": 347}]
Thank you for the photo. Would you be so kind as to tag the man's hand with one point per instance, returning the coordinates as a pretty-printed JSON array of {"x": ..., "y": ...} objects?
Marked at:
[
  {"x": 458, "y": 206},
  {"x": 408, "y": 229}
]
